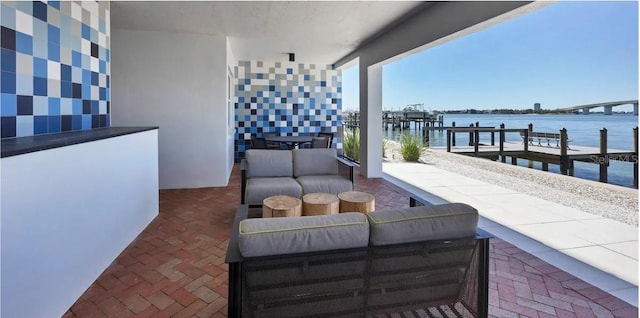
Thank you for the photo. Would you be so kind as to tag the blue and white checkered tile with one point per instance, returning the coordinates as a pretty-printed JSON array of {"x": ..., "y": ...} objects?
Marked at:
[
  {"x": 286, "y": 98},
  {"x": 54, "y": 61}
]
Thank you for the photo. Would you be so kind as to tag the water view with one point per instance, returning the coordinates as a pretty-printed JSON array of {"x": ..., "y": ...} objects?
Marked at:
[{"x": 583, "y": 130}]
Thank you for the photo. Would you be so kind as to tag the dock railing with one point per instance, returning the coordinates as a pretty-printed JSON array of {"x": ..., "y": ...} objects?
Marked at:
[
  {"x": 474, "y": 137},
  {"x": 427, "y": 129},
  {"x": 635, "y": 162},
  {"x": 546, "y": 154}
]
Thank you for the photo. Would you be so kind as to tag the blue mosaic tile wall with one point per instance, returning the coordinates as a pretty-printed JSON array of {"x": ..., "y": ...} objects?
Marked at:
[
  {"x": 55, "y": 66},
  {"x": 287, "y": 98}
]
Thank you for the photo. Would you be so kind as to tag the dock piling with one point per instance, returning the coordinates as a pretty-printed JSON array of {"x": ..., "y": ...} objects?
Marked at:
[
  {"x": 425, "y": 134},
  {"x": 564, "y": 158},
  {"x": 476, "y": 142},
  {"x": 453, "y": 135},
  {"x": 493, "y": 138},
  {"x": 471, "y": 138},
  {"x": 603, "y": 159},
  {"x": 635, "y": 159},
  {"x": 502, "y": 137}
]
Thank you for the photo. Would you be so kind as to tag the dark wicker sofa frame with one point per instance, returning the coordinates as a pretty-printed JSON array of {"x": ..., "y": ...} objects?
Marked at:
[{"x": 429, "y": 278}]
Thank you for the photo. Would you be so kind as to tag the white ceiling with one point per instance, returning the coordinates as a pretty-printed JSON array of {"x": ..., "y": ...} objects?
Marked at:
[{"x": 319, "y": 32}]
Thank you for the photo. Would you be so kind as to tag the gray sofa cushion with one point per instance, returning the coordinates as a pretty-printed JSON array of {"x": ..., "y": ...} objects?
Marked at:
[
  {"x": 314, "y": 162},
  {"x": 269, "y": 163},
  {"x": 259, "y": 189},
  {"x": 422, "y": 223},
  {"x": 334, "y": 184},
  {"x": 275, "y": 236}
]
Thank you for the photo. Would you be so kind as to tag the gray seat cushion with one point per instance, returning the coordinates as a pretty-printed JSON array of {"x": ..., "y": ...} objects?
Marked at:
[
  {"x": 314, "y": 162},
  {"x": 276, "y": 236},
  {"x": 259, "y": 189},
  {"x": 423, "y": 223},
  {"x": 268, "y": 163},
  {"x": 334, "y": 184}
]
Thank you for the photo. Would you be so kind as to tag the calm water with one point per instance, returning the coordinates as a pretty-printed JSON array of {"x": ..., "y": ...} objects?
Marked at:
[{"x": 583, "y": 130}]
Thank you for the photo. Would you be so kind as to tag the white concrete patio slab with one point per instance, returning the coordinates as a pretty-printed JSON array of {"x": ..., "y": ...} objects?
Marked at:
[
  {"x": 557, "y": 235},
  {"x": 600, "y": 251},
  {"x": 607, "y": 260},
  {"x": 627, "y": 248}
]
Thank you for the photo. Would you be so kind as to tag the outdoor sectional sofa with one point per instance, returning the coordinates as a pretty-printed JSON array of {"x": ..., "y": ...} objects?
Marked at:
[
  {"x": 419, "y": 259},
  {"x": 295, "y": 173}
]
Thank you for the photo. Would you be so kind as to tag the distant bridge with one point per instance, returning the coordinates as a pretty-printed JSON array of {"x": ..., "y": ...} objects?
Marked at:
[{"x": 607, "y": 107}]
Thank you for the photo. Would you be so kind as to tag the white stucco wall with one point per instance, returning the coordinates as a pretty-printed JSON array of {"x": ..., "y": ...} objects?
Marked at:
[
  {"x": 231, "y": 131},
  {"x": 177, "y": 81},
  {"x": 67, "y": 213},
  {"x": 371, "y": 112}
]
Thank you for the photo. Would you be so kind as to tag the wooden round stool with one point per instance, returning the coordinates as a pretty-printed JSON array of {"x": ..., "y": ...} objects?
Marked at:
[
  {"x": 320, "y": 204},
  {"x": 356, "y": 201},
  {"x": 281, "y": 205}
]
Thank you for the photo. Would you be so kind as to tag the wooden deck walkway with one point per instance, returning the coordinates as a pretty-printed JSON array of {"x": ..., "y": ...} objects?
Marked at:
[
  {"x": 550, "y": 155},
  {"x": 578, "y": 153},
  {"x": 546, "y": 148}
]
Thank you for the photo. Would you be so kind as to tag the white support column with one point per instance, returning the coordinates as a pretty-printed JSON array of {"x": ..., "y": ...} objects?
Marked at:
[
  {"x": 608, "y": 110},
  {"x": 370, "y": 120},
  {"x": 585, "y": 111}
]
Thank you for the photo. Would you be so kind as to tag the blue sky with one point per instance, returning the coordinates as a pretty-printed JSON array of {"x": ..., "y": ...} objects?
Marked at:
[{"x": 565, "y": 54}]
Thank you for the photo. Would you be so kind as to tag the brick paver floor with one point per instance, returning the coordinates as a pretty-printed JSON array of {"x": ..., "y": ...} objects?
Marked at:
[{"x": 175, "y": 267}]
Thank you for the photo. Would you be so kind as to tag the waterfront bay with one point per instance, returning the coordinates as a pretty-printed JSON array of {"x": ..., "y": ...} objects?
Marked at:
[{"x": 583, "y": 130}]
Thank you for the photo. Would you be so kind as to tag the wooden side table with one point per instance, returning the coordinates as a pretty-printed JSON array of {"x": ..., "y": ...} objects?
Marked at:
[
  {"x": 281, "y": 205},
  {"x": 320, "y": 204},
  {"x": 356, "y": 201}
]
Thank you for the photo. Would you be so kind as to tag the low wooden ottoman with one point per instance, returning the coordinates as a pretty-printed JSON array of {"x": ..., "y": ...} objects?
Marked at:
[
  {"x": 356, "y": 201},
  {"x": 320, "y": 204},
  {"x": 280, "y": 206}
]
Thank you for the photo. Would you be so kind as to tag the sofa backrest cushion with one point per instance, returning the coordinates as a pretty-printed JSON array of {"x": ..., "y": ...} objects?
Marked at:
[
  {"x": 269, "y": 163},
  {"x": 308, "y": 162},
  {"x": 289, "y": 235},
  {"x": 422, "y": 223}
]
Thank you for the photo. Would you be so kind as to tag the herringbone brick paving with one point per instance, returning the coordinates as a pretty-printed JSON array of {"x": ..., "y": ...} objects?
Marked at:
[{"x": 175, "y": 267}]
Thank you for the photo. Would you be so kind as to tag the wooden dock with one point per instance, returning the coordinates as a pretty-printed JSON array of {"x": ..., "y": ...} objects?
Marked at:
[
  {"x": 540, "y": 153},
  {"x": 401, "y": 119},
  {"x": 547, "y": 151}
]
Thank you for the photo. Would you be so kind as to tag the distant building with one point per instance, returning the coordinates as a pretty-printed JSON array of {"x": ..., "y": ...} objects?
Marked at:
[{"x": 536, "y": 107}]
